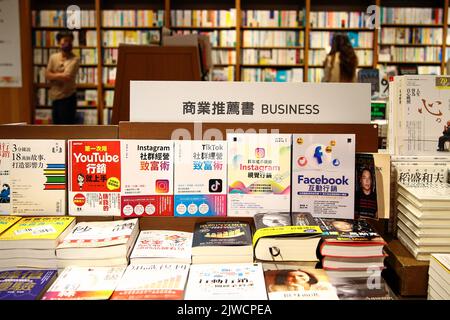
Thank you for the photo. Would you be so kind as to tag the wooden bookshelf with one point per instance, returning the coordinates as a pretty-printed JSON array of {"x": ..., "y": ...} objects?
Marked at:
[{"x": 304, "y": 29}]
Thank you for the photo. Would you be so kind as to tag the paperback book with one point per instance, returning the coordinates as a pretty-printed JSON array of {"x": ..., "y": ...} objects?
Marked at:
[
  {"x": 6, "y": 222},
  {"x": 94, "y": 177},
  {"x": 366, "y": 204},
  {"x": 25, "y": 284},
  {"x": 259, "y": 168},
  {"x": 323, "y": 175},
  {"x": 147, "y": 178},
  {"x": 33, "y": 177}
]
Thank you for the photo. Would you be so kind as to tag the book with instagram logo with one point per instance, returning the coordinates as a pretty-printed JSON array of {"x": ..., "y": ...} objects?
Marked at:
[
  {"x": 259, "y": 173},
  {"x": 147, "y": 178},
  {"x": 200, "y": 178},
  {"x": 94, "y": 177},
  {"x": 323, "y": 174}
]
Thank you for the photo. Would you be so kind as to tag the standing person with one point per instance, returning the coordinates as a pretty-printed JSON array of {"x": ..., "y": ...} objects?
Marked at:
[
  {"x": 340, "y": 64},
  {"x": 61, "y": 71}
]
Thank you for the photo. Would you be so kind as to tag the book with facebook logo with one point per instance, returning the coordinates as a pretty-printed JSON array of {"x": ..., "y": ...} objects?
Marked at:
[
  {"x": 200, "y": 178},
  {"x": 259, "y": 173},
  {"x": 147, "y": 178},
  {"x": 323, "y": 174}
]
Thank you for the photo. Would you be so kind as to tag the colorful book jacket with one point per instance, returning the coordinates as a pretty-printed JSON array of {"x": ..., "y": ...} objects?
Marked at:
[
  {"x": 152, "y": 282},
  {"x": 366, "y": 202},
  {"x": 6, "y": 222},
  {"x": 347, "y": 230},
  {"x": 259, "y": 173},
  {"x": 33, "y": 177},
  {"x": 25, "y": 284},
  {"x": 37, "y": 228},
  {"x": 226, "y": 233},
  {"x": 94, "y": 177},
  {"x": 85, "y": 283},
  {"x": 200, "y": 178},
  {"x": 323, "y": 174},
  {"x": 147, "y": 178}
]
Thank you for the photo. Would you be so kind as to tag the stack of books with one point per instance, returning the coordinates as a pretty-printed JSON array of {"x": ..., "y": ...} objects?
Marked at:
[
  {"x": 352, "y": 252},
  {"x": 439, "y": 277},
  {"x": 222, "y": 242},
  {"x": 30, "y": 243},
  {"x": 162, "y": 246},
  {"x": 423, "y": 219},
  {"x": 98, "y": 244}
]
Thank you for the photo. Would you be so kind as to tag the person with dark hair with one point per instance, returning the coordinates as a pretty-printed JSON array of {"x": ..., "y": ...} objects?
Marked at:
[
  {"x": 340, "y": 64},
  {"x": 445, "y": 137},
  {"x": 5, "y": 193},
  {"x": 366, "y": 196},
  {"x": 296, "y": 280},
  {"x": 61, "y": 72}
]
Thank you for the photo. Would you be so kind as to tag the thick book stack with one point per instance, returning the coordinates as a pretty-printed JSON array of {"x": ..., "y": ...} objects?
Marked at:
[
  {"x": 439, "y": 277},
  {"x": 162, "y": 246},
  {"x": 423, "y": 219},
  {"x": 31, "y": 242},
  {"x": 351, "y": 251},
  {"x": 222, "y": 242},
  {"x": 98, "y": 244}
]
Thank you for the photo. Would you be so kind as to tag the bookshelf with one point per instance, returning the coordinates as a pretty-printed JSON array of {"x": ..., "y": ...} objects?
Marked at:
[{"x": 252, "y": 40}]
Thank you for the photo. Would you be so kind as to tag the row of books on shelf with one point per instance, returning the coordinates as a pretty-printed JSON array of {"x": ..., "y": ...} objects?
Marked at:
[
  {"x": 411, "y": 15},
  {"x": 272, "y": 56},
  {"x": 348, "y": 250},
  {"x": 222, "y": 73},
  {"x": 132, "y": 18},
  {"x": 317, "y": 57},
  {"x": 337, "y": 19},
  {"x": 112, "y": 38},
  {"x": 87, "y": 56},
  {"x": 398, "y": 35},
  {"x": 223, "y": 56},
  {"x": 256, "y": 38},
  {"x": 59, "y": 18},
  {"x": 272, "y": 75},
  {"x": 273, "y": 18},
  {"x": 203, "y": 18},
  {"x": 410, "y": 54},
  {"x": 323, "y": 39},
  {"x": 85, "y": 75},
  {"x": 47, "y": 38},
  {"x": 217, "y": 38}
]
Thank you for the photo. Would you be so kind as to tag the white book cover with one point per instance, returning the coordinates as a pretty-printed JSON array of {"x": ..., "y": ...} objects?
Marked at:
[
  {"x": 259, "y": 173},
  {"x": 439, "y": 194},
  {"x": 85, "y": 283},
  {"x": 152, "y": 282},
  {"x": 323, "y": 175},
  {"x": 200, "y": 178},
  {"x": 423, "y": 173},
  {"x": 147, "y": 178},
  {"x": 94, "y": 177},
  {"x": 33, "y": 177},
  {"x": 163, "y": 244},
  {"x": 226, "y": 282},
  {"x": 100, "y": 234},
  {"x": 423, "y": 113}
]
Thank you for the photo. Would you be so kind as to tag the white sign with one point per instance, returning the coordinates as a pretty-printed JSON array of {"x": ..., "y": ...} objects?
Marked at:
[
  {"x": 10, "y": 56},
  {"x": 258, "y": 102}
]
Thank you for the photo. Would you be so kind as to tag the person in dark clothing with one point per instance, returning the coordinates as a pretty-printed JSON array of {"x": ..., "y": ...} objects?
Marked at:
[{"x": 445, "y": 137}]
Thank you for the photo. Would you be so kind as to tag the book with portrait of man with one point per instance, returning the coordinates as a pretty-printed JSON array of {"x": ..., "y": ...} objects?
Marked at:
[{"x": 365, "y": 187}]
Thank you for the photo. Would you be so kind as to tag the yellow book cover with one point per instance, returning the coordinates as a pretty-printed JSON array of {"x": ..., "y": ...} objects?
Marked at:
[
  {"x": 6, "y": 222},
  {"x": 34, "y": 228}
]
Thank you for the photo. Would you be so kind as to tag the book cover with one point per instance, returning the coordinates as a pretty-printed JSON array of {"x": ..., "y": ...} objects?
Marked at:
[
  {"x": 383, "y": 176},
  {"x": 361, "y": 288},
  {"x": 220, "y": 234},
  {"x": 366, "y": 202},
  {"x": 152, "y": 282},
  {"x": 226, "y": 282},
  {"x": 200, "y": 178},
  {"x": 33, "y": 177},
  {"x": 85, "y": 283},
  {"x": 37, "y": 228},
  {"x": 25, "y": 284},
  {"x": 94, "y": 177},
  {"x": 6, "y": 222},
  {"x": 289, "y": 282},
  {"x": 323, "y": 175},
  {"x": 163, "y": 244},
  {"x": 100, "y": 234},
  {"x": 147, "y": 178},
  {"x": 259, "y": 169},
  {"x": 347, "y": 229}
]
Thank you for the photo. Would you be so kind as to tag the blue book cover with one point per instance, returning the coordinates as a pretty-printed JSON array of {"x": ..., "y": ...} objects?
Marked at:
[
  {"x": 353, "y": 37},
  {"x": 282, "y": 76},
  {"x": 25, "y": 284}
]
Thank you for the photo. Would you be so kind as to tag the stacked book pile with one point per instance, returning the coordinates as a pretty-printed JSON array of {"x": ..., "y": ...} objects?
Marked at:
[
  {"x": 30, "y": 243},
  {"x": 423, "y": 219},
  {"x": 98, "y": 244},
  {"x": 439, "y": 277},
  {"x": 353, "y": 256}
]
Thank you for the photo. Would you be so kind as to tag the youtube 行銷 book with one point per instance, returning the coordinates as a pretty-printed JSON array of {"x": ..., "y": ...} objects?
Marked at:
[
  {"x": 94, "y": 177},
  {"x": 147, "y": 178},
  {"x": 323, "y": 174}
]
